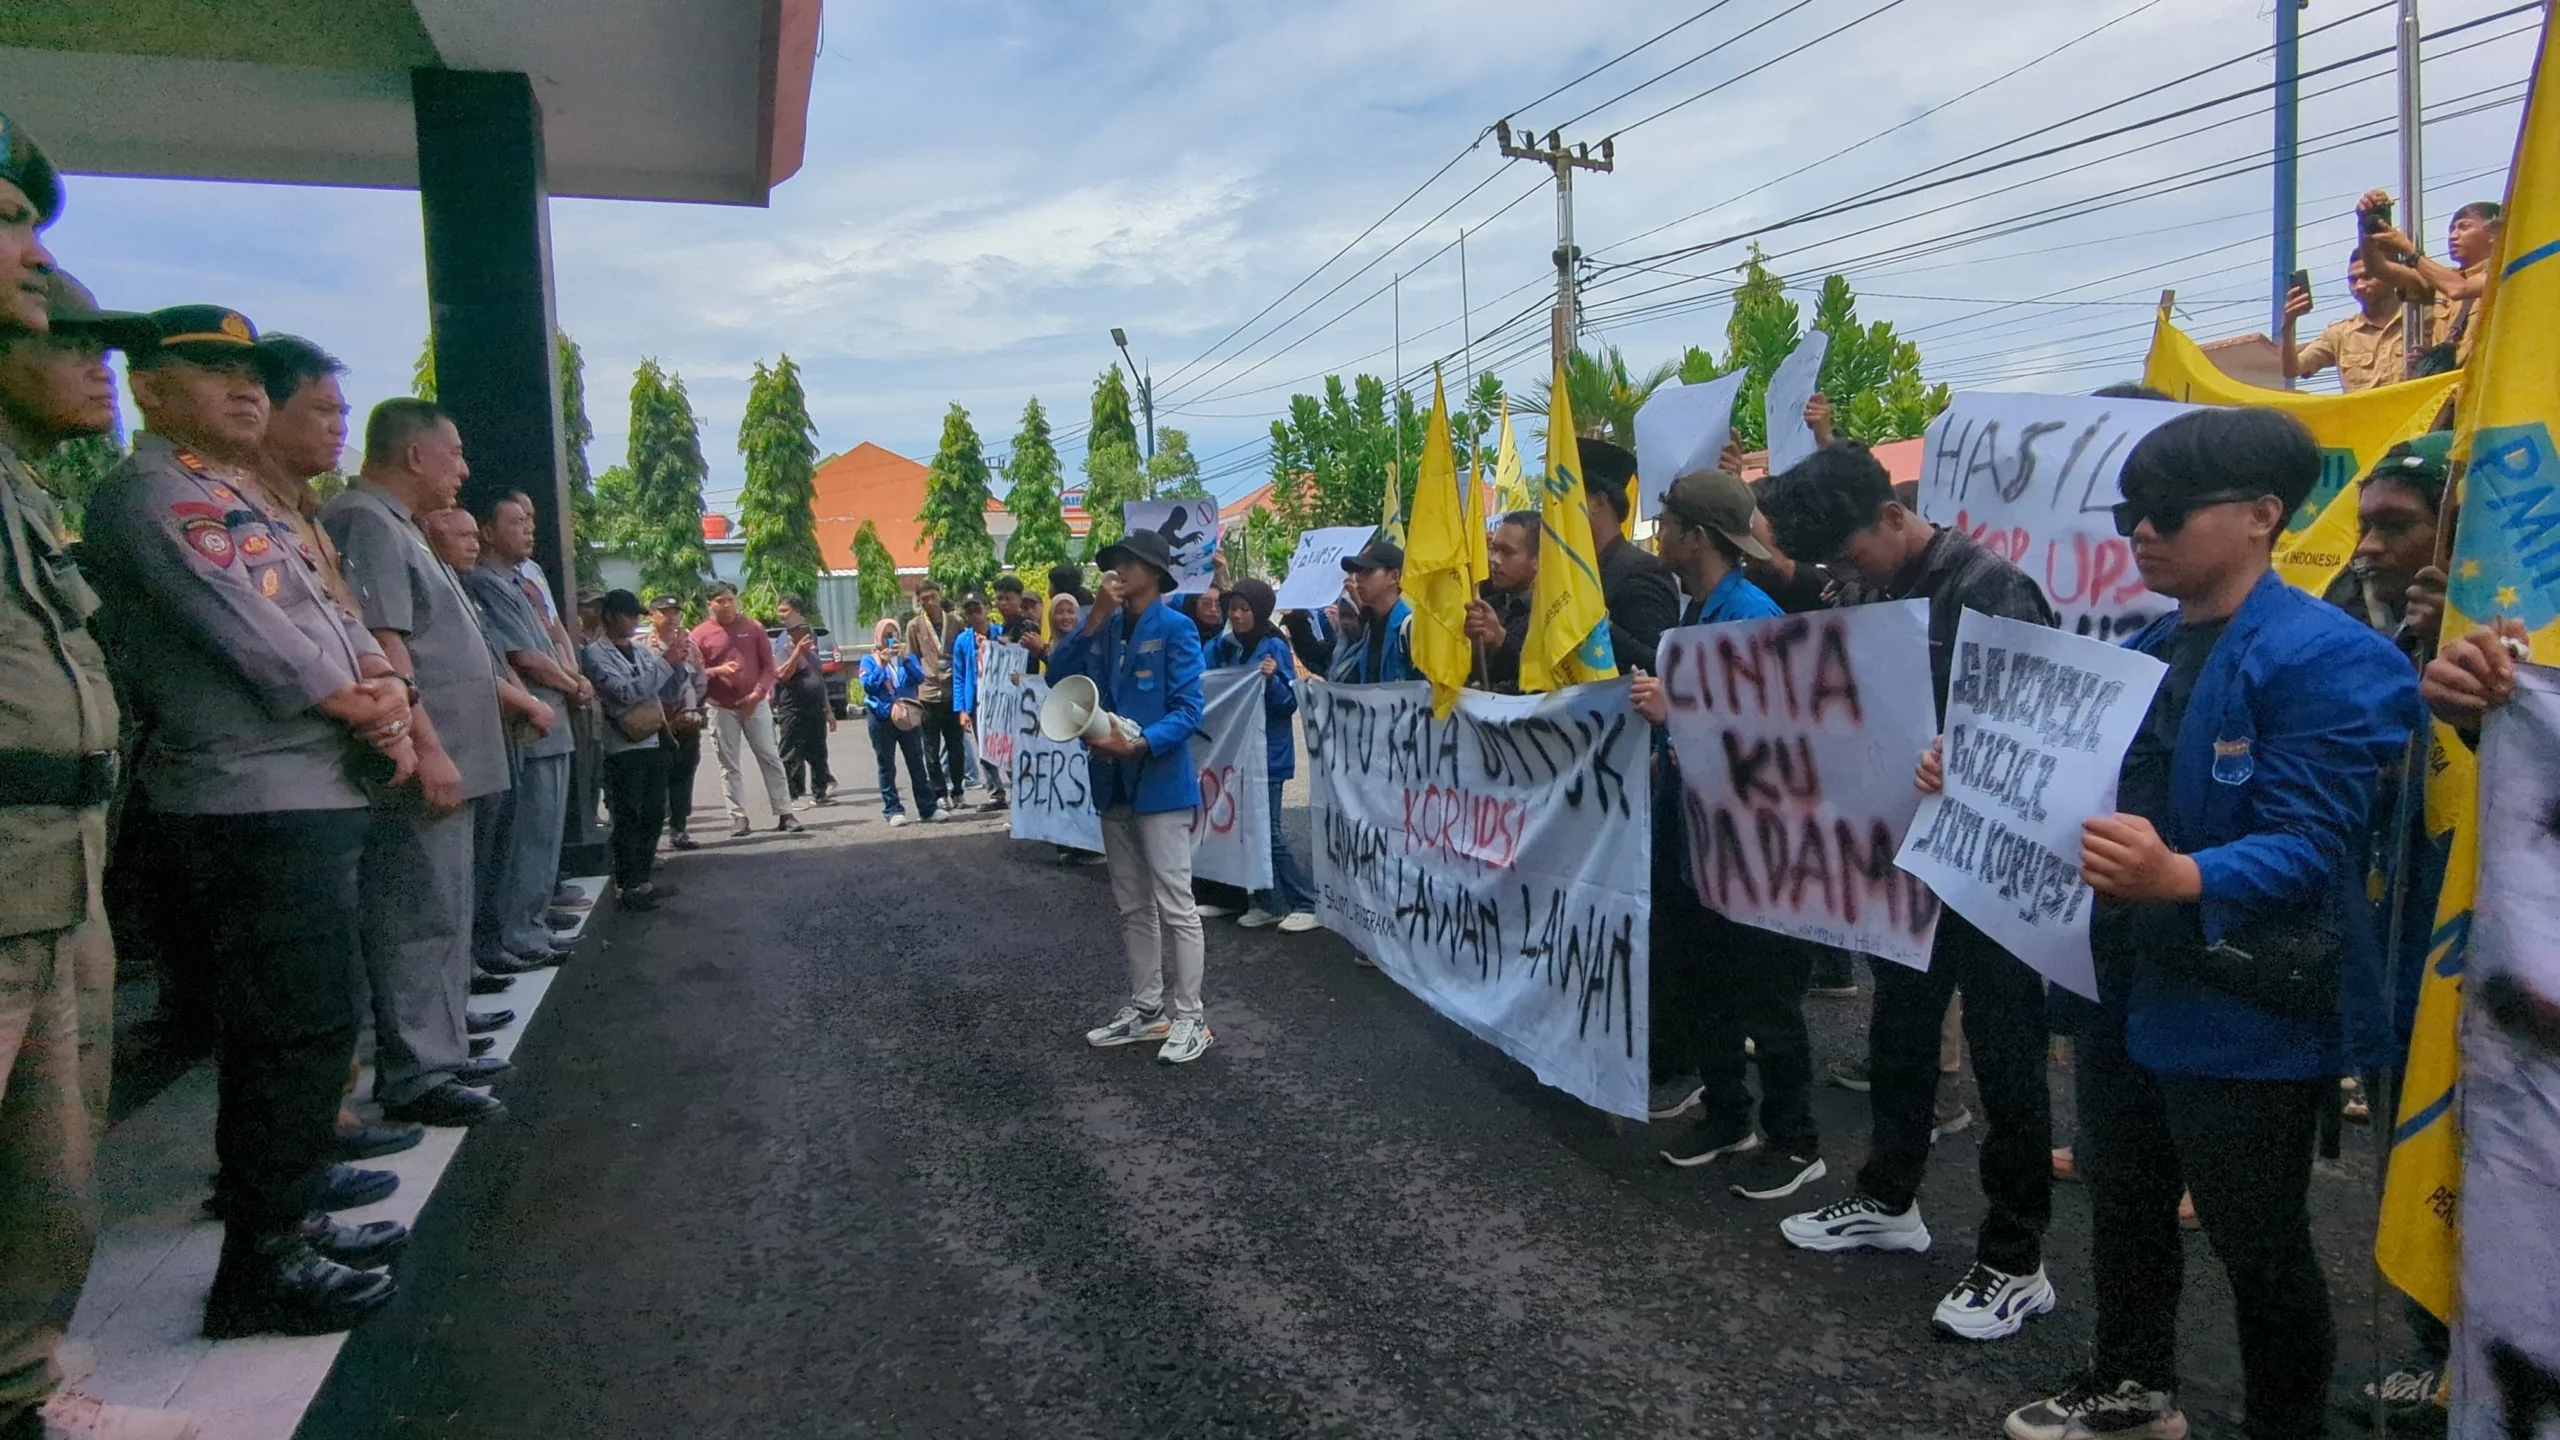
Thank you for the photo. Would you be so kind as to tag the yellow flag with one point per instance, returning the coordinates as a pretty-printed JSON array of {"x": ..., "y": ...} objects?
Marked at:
[
  {"x": 2353, "y": 431},
  {"x": 1391, "y": 522},
  {"x": 1509, "y": 490},
  {"x": 1435, "y": 563},
  {"x": 1568, "y": 639},
  {"x": 2506, "y": 562}
]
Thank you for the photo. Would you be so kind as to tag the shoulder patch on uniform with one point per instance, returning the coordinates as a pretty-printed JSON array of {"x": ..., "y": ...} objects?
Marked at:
[{"x": 210, "y": 539}]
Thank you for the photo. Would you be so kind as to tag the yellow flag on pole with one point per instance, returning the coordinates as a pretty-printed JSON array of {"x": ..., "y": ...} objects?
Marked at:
[
  {"x": 1568, "y": 639},
  {"x": 1435, "y": 563},
  {"x": 1391, "y": 518},
  {"x": 2506, "y": 563},
  {"x": 2353, "y": 431},
  {"x": 1510, "y": 491}
]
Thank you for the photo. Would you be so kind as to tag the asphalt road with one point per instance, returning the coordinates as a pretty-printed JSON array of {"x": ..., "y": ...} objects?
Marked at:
[{"x": 818, "y": 1150}]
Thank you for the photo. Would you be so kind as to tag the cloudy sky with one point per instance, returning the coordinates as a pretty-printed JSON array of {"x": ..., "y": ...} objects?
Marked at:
[{"x": 992, "y": 184}]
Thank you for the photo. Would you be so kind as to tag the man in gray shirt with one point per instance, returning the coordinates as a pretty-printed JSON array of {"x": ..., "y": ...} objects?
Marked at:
[
  {"x": 417, "y": 871},
  {"x": 516, "y": 628},
  {"x": 262, "y": 704}
]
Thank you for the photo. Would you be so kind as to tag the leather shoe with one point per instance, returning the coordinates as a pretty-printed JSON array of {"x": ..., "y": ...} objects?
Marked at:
[
  {"x": 485, "y": 1022},
  {"x": 682, "y": 841},
  {"x": 563, "y": 920},
  {"x": 569, "y": 897},
  {"x": 484, "y": 983},
  {"x": 364, "y": 1141},
  {"x": 481, "y": 1071},
  {"x": 448, "y": 1104},
  {"x": 482, "y": 1045},
  {"x": 513, "y": 965},
  {"x": 344, "y": 1187},
  {"x": 369, "y": 1246},
  {"x": 284, "y": 1286}
]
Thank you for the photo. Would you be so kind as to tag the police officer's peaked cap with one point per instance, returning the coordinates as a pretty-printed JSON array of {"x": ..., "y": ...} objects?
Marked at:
[
  {"x": 206, "y": 334},
  {"x": 24, "y": 165},
  {"x": 72, "y": 310}
]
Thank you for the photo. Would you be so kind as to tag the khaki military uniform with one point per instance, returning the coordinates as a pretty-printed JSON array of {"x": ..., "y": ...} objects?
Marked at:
[
  {"x": 57, "y": 965},
  {"x": 2366, "y": 354}
]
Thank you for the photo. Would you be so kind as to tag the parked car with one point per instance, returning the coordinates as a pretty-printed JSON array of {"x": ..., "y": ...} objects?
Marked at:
[{"x": 834, "y": 666}]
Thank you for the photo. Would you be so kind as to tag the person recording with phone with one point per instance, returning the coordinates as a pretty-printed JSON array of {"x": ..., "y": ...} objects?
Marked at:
[
  {"x": 2366, "y": 347},
  {"x": 2471, "y": 237}
]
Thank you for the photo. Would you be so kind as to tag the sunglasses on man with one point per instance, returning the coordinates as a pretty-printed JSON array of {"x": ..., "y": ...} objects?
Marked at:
[{"x": 2169, "y": 516}]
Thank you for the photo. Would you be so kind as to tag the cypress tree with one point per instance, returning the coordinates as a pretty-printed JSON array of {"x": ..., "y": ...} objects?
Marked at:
[
  {"x": 667, "y": 472},
  {"x": 955, "y": 509},
  {"x": 1031, "y": 474},
  {"x": 875, "y": 576},
  {"x": 776, "y": 507}
]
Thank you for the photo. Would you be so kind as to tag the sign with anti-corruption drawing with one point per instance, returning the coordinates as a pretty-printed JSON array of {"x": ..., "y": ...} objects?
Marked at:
[
  {"x": 1797, "y": 737},
  {"x": 2036, "y": 729},
  {"x": 1051, "y": 795},
  {"x": 1497, "y": 864}
]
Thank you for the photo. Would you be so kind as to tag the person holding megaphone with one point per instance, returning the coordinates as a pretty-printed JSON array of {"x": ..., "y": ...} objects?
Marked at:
[{"x": 1142, "y": 654}]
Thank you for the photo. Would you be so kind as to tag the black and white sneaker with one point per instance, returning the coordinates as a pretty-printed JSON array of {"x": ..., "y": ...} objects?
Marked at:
[
  {"x": 1674, "y": 1098},
  {"x": 1857, "y": 1223},
  {"x": 2093, "y": 1410},
  {"x": 1990, "y": 1304},
  {"x": 1773, "y": 1174},
  {"x": 1706, "y": 1145}
]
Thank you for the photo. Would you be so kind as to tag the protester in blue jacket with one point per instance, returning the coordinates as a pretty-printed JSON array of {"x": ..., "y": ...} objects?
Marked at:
[
  {"x": 2237, "y": 966},
  {"x": 890, "y": 677},
  {"x": 1383, "y": 652},
  {"x": 1251, "y": 639},
  {"x": 1142, "y": 652},
  {"x": 968, "y": 662}
]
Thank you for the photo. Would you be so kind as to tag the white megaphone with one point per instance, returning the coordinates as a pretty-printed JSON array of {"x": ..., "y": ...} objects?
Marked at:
[{"x": 1074, "y": 711}]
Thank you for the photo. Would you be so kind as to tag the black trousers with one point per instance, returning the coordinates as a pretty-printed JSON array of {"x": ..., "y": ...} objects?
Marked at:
[
  {"x": 274, "y": 901},
  {"x": 2004, "y": 1026},
  {"x": 946, "y": 750},
  {"x": 802, "y": 728},
  {"x": 887, "y": 743},
  {"x": 683, "y": 758},
  {"x": 635, "y": 787},
  {"x": 2243, "y": 1149},
  {"x": 1715, "y": 985}
]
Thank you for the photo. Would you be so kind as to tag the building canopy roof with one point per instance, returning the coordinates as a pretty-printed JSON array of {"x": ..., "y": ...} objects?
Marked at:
[{"x": 699, "y": 100}]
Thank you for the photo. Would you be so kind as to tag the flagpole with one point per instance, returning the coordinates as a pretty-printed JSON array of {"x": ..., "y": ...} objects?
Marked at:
[{"x": 2413, "y": 324}]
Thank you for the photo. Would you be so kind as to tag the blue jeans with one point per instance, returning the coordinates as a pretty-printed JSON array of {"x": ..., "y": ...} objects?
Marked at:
[
  {"x": 887, "y": 742},
  {"x": 1290, "y": 891}
]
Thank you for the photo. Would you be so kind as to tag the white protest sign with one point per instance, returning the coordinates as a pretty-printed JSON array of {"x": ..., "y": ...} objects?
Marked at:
[
  {"x": 2033, "y": 477},
  {"x": 1315, "y": 571},
  {"x": 2037, "y": 725},
  {"x": 1001, "y": 668},
  {"x": 1682, "y": 428},
  {"x": 1190, "y": 527},
  {"x": 2515, "y": 928},
  {"x": 1797, "y": 738},
  {"x": 1051, "y": 790},
  {"x": 1791, "y": 387},
  {"x": 1498, "y": 865}
]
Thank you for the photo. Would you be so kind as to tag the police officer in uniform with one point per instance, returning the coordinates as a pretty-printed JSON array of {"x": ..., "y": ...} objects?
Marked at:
[
  {"x": 57, "y": 771},
  {"x": 262, "y": 704}
]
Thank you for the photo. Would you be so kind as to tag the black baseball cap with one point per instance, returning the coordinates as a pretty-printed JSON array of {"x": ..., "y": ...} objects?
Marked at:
[
  {"x": 1718, "y": 501},
  {"x": 23, "y": 164},
  {"x": 619, "y": 602},
  {"x": 1141, "y": 545},
  {"x": 202, "y": 334},
  {"x": 72, "y": 310},
  {"x": 1380, "y": 554}
]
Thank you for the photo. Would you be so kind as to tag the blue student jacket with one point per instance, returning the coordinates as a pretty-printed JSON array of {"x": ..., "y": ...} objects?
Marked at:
[
  {"x": 1351, "y": 660},
  {"x": 883, "y": 683},
  {"x": 964, "y": 673},
  {"x": 1147, "y": 667},
  {"x": 1279, "y": 696},
  {"x": 2296, "y": 713}
]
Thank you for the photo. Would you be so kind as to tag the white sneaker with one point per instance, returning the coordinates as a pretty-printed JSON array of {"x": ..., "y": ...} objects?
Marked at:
[
  {"x": 1256, "y": 918},
  {"x": 1990, "y": 1304},
  {"x": 1212, "y": 911},
  {"x": 901, "y": 818},
  {"x": 1299, "y": 922},
  {"x": 1129, "y": 1027},
  {"x": 1189, "y": 1041},
  {"x": 1856, "y": 1223},
  {"x": 2129, "y": 1411},
  {"x": 70, "y": 1415}
]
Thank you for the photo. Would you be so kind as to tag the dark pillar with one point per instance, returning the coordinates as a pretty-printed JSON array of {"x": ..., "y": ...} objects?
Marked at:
[
  {"x": 487, "y": 211},
  {"x": 488, "y": 224}
]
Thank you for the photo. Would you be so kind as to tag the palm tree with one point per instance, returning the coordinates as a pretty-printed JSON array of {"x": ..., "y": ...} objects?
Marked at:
[{"x": 1606, "y": 394}]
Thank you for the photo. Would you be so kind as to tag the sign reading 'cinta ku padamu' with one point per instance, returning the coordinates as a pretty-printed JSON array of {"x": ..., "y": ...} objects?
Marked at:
[
  {"x": 2037, "y": 725},
  {"x": 1497, "y": 864},
  {"x": 1052, "y": 801},
  {"x": 1797, "y": 737}
]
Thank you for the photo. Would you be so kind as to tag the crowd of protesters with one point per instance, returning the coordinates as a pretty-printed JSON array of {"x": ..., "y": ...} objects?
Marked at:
[{"x": 344, "y": 737}]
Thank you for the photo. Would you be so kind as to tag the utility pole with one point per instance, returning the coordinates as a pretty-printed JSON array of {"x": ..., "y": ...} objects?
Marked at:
[
  {"x": 1146, "y": 384},
  {"x": 2413, "y": 180},
  {"x": 2288, "y": 98},
  {"x": 1564, "y": 160}
]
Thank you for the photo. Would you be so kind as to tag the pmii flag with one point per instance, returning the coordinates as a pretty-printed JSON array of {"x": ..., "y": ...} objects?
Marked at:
[
  {"x": 2505, "y": 564},
  {"x": 2353, "y": 431},
  {"x": 1568, "y": 639},
  {"x": 1510, "y": 491},
  {"x": 1435, "y": 563}
]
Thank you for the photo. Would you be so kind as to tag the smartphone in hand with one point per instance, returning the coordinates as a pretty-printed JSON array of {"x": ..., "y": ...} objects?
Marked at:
[{"x": 2302, "y": 281}]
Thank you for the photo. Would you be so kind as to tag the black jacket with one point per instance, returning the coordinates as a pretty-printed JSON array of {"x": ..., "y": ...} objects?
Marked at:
[
  {"x": 1956, "y": 574},
  {"x": 1643, "y": 599}
]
